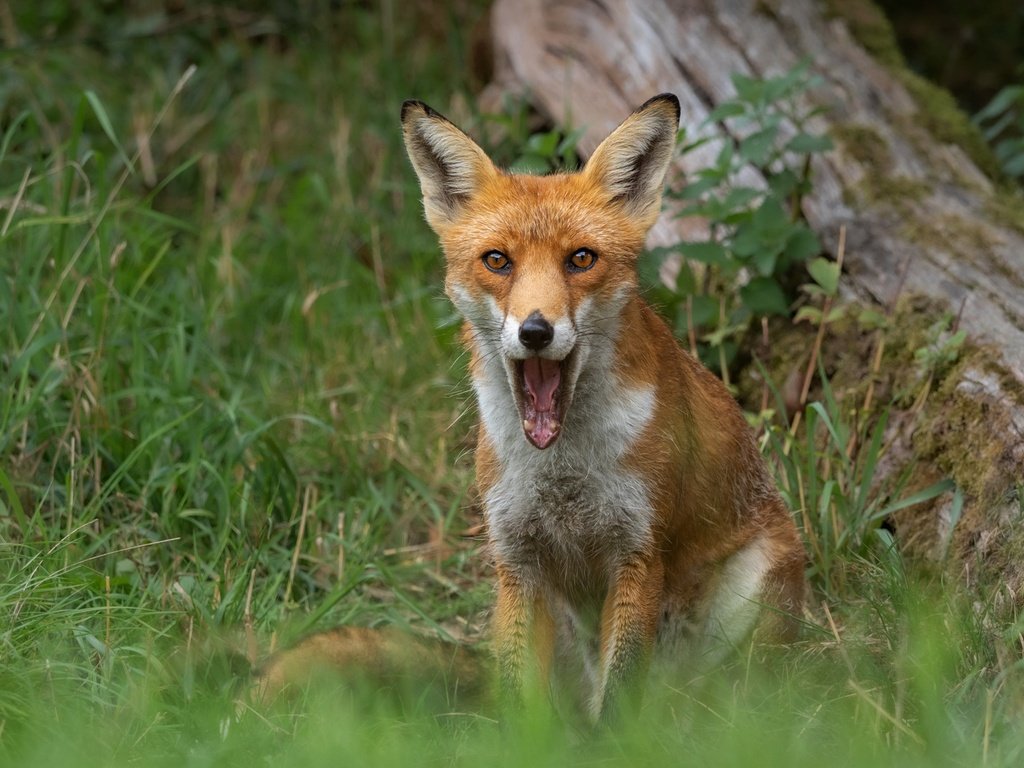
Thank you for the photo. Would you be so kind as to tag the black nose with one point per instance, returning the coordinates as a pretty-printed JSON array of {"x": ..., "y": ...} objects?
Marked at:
[{"x": 536, "y": 333}]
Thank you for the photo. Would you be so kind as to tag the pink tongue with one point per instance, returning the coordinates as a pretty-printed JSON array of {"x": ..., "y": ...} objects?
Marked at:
[{"x": 541, "y": 378}]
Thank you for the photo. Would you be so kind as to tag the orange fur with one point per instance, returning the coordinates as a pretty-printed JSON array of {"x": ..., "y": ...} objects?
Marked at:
[{"x": 404, "y": 663}]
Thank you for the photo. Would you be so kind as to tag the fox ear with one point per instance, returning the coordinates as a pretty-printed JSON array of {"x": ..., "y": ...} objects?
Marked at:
[
  {"x": 450, "y": 166},
  {"x": 632, "y": 162}
]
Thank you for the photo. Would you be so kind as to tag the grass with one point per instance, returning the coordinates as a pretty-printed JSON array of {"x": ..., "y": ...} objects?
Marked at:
[{"x": 233, "y": 410}]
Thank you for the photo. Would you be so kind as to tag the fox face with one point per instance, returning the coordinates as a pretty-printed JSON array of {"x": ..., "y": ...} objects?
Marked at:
[{"x": 541, "y": 267}]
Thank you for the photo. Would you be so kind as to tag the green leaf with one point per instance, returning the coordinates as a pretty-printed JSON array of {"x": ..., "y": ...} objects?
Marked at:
[
  {"x": 686, "y": 281},
  {"x": 700, "y": 187},
  {"x": 836, "y": 313},
  {"x": 757, "y": 147},
  {"x": 766, "y": 261},
  {"x": 723, "y": 163},
  {"x": 1001, "y": 102},
  {"x": 717, "y": 337},
  {"x": 704, "y": 310},
  {"x": 725, "y": 110},
  {"x": 776, "y": 88},
  {"x": 532, "y": 164},
  {"x": 808, "y": 314},
  {"x": 772, "y": 221},
  {"x": 783, "y": 183},
  {"x": 1014, "y": 166},
  {"x": 825, "y": 274},
  {"x": 13, "y": 505},
  {"x": 920, "y": 497},
  {"x": 1008, "y": 148},
  {"x": 707, "y": 252},
  {"x": 747, "y": 241},
  {"x": 748, "y": 89},
  {"x": 763, "y": 236},
  {"x": 992, "y": 131},
  {"x": 812, "y": 290},
  {"x": 807, "y": 143},
  {"x": 108, "y": 128},
  {"x": 692, "y": 145},
  {"x": 801, "y": 245},
  {"x": 568, "y": 143},
  {"x": 740, "y": 197},
  {"x": 764, "y": 297},
  {"x": 871, "y": 319},
  {"x": 543, "y": 144}
]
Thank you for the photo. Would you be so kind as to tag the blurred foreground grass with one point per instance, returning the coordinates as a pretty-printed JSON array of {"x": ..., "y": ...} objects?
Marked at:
[{"x": 232, "y": 410}]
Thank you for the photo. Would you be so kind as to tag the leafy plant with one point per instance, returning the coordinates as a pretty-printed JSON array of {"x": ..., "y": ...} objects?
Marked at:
[
  {"x": 526, "y": 151},
  {"x": 548, "y": 151},
  {"x": 750, "y": 197},
  {"x": 1002, "y": 123},
  {"x": 940, "y": 350},
  {"x": 824, "y": 285}
]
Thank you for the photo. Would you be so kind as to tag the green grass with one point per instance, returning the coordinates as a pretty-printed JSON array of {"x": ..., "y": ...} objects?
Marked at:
[{"x": 233, "y": 410}]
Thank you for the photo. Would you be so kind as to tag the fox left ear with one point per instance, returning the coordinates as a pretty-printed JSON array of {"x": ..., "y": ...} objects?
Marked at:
[
  {"x": 450, "y": 166},
  {"x": 632, "y": 162}
]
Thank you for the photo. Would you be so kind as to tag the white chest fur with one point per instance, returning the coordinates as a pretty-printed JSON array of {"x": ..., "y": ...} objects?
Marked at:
[{"x": 573, "y": 507}]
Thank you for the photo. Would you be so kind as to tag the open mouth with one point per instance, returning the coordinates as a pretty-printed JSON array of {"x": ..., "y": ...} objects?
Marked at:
[{"x": 541, "y": 394}]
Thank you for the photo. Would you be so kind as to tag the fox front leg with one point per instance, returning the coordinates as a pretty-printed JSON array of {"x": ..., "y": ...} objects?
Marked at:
[
  {"x": 524, "y": 637},
  {"x": 629, "y": 621}
]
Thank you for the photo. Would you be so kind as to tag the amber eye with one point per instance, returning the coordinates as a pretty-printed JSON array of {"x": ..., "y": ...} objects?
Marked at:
[
  {"x": 581, "y": 260},
  {"x": 496, "y": 261}
]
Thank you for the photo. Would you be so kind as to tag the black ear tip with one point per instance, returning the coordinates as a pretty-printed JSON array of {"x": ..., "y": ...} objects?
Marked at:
[
  {"x": 409, "y": 106},
  {"x": 667, "y": 99}
]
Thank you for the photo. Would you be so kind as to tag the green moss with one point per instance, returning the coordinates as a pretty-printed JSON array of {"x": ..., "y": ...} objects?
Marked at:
[
  {"x": 958, "y": 433},
  {"x": 938, "y": 111},
  {"x": 1006, "y": 206},
  {"x": 952, "y": 233},
  {"x": 871, "y": 28},
  {"x": 847, "y": 355},
  {"x": 864, "y": 144},
  {"x": 957, "y": 428},
  {"x": 1007, "y": 381},
  {"x": 767, "y": 8},
  {"x": 871, "y": 150},
  {"x": 944, "y": 119},
  {"x": 896, "y": 191}
]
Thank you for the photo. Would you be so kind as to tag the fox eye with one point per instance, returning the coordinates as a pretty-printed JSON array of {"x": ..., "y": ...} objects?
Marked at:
[
  {"x": 496, "y": 261},
  {"x": 581, "y": 260}
]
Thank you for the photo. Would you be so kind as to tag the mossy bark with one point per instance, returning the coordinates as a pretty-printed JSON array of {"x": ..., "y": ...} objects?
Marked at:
[{"x": 963, "y": 420}]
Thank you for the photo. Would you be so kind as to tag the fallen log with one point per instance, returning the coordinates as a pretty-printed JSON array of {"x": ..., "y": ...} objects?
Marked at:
[{"x": 922, "y": 218}]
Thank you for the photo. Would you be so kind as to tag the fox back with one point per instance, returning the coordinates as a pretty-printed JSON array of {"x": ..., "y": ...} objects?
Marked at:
[{"x": 628, "y": 508}]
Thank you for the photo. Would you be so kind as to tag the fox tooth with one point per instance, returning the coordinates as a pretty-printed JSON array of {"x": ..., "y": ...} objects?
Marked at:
[{"x": 529, "y": 424}]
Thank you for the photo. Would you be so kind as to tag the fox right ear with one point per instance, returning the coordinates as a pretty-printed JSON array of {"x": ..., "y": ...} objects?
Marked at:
[
  {"x": 631, "y": 163},
  {"x": 450, "y": 166}
]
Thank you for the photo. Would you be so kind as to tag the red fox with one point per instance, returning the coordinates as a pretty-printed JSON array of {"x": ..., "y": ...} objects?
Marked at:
[{"x": 629, "y": 511}]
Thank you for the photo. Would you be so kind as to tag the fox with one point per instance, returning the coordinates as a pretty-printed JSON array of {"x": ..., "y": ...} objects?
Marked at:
[{"x": 629, "y": 513}]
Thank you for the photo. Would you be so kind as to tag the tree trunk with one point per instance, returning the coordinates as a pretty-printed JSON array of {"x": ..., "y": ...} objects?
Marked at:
[{"x": 921, "y": 218}]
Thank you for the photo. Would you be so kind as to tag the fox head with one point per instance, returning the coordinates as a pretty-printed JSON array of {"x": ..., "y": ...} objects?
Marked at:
[{"x": 542, "y": 266}]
